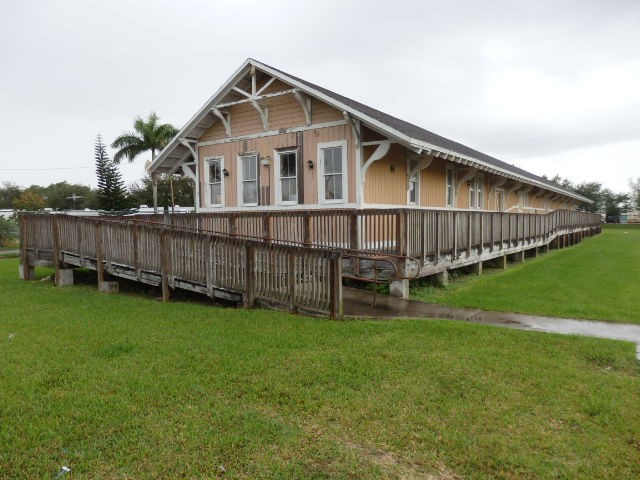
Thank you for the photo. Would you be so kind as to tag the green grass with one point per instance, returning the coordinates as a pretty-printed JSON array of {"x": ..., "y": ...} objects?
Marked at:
[
  {"x": 598, "y": 279},
  {"x": 124, "y": 386}
]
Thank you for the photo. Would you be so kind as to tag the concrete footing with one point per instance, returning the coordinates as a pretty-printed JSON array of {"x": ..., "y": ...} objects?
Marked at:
[
  {"x": 64, "y": 277},
  {"x": 31, "y": 273},
  {"x": 108, "y": 287},
  {"x": 399, "y": 288}
]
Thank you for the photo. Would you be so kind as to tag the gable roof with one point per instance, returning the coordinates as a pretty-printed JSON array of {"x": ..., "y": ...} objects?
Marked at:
[{"x": 406, "y": 133}]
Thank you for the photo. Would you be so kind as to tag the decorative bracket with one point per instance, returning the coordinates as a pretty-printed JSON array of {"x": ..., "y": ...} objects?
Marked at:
[
  {"x": 423, "y": 162},
  {"x": 514, "y": 187},
  {"x": 471, "y": 172},
  {"x": 499, "y": 182},
  {"x": 355, "y": 126},
  {"x": 379, "y": 153},
  {"x": 187, "y": 143},
  {"x": 264, "y": 113},
  {"x": 305, "y": 103},
  {"x": 225, "y": 118},
  {"x": 186, "y": 169}
]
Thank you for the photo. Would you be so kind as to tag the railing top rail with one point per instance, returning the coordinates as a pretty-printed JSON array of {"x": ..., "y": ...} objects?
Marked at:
[{"x": 349, "y": 252}]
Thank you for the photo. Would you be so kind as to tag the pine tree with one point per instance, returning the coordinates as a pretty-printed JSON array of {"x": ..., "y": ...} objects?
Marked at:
[{"x": 111, "y": 192}]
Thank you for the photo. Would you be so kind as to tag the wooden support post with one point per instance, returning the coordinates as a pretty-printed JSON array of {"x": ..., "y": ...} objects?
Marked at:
[
  {"x": 470, "y": 225},
  {"x": 99, "y": 253},
  {"x": 306, "y": 225},
  {"x": 233, "y": 224},
  {"x": 481, "y": 248},
  {"x": 402, "y": 239},
  {"x": 477, "y": 268},
  {"x": 291, "y": 280},
  {"x": 454, "y": 254},
  {"x": 443, "y": 278},
  {"x": 353, "y": 231},
  {"x": 27, "y": 272},
  {"x": 135, "y": 234},
  {"x": 250, "y": 276},
  {"x": 438, "y": 233},
  {"x": 164, "y": 264},
  {"x": 266, "y": 228},
  {"x": 55, "y": 231},
  {"x": 335, "y": 285}
]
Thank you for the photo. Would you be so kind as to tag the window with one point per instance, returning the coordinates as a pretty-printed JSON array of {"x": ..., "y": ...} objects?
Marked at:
[
  {"x": 524, "y": 200},
  {"x": 286, "y": 167},
  {"x": 472, "y": 193},
  {"x": 414, "y": 183},
  {"x": 476, "y": 192},
  {"x": 451, "y": 187},
  {"x": 332, "y": 172},
  {"x": 248, "y": 179},
  {"x": 214, "y": 182},
  {"x": 499, "y": 200}
]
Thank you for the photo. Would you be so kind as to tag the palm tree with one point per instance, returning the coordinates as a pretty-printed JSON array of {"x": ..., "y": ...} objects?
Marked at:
[{"x": 148, "y": 134}]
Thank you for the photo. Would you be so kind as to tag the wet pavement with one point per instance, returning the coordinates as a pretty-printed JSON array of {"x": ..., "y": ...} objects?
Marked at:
[{"x": 359, "y": 304}]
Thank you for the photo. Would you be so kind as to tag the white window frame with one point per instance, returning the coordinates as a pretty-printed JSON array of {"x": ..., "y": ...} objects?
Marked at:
[
  {"x": 277, "y": 178},
  {"x": 240, "y": 181},
  {"x": 416, "y": 183},
  {"x": 207, "y": 163},
  {"x": 473, "y": 198},
  {"x": 451, "y": 204},
  {"x": 524, "y": 200},
  {"x": 480, "y": 191},
  {"x": 345, "y": 173}
]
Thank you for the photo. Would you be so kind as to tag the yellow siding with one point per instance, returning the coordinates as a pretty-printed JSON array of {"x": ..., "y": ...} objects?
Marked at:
[
  {"x": 433, "y": 181},
  {"x": 322, "y": 113},
  {"x": 384, "y": 186}
]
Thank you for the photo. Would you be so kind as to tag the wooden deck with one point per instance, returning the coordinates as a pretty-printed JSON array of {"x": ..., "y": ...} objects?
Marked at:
[{"x": 288, "y": 259}]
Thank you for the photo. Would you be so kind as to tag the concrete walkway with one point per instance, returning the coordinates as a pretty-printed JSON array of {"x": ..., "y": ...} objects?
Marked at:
[{"x": 359, "y": 304}]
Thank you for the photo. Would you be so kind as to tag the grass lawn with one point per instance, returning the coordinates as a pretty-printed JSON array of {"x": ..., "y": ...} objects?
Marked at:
[
  {"x": 598, "y": 279},
  {"x": 124, "y": 386}
]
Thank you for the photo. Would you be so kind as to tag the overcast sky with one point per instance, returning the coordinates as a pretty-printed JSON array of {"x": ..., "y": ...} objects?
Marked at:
[{"x": 551, "y": 86}]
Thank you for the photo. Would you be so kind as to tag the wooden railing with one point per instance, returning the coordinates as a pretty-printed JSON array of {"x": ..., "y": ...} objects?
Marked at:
[
  {"x": 296, "y": 278},
  {"x": 431, "y": 236},
  {"x": 294, "y": 259}
]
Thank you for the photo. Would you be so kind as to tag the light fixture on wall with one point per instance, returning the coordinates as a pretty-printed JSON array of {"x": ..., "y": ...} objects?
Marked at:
[
  {"x": 266, "y": 161},
  {"x": 225, "y": 172},
  {"x": 310, "y": 164},
  {"x": 392, "y": 168}
]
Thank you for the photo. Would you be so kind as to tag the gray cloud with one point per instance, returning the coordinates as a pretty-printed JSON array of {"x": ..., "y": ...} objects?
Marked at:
[{"x": 516, "y": 79}]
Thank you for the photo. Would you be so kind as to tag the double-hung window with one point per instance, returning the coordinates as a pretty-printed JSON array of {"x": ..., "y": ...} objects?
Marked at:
[
  {"x": 451, "y": 187},
  {"x": 414, "y": 183},
  {"x": 332, "y": 172},
  {"x": 476, "y": 192},
  {"x": 248, "y": 179},
  {"x": 287, "y": 182},
  {"x": 214, "y": 182}
]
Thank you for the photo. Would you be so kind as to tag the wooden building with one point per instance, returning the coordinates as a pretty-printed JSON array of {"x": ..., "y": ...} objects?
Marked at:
[{"x": 269, "y": 140}]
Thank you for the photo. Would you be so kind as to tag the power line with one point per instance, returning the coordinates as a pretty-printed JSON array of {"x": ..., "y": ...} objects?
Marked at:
[{"x": 39, "y": 169}]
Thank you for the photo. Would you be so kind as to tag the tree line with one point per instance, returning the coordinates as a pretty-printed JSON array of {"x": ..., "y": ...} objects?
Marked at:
[
  {"x": 605, "y": 200},
  {"x": 148, "y": 135}
]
